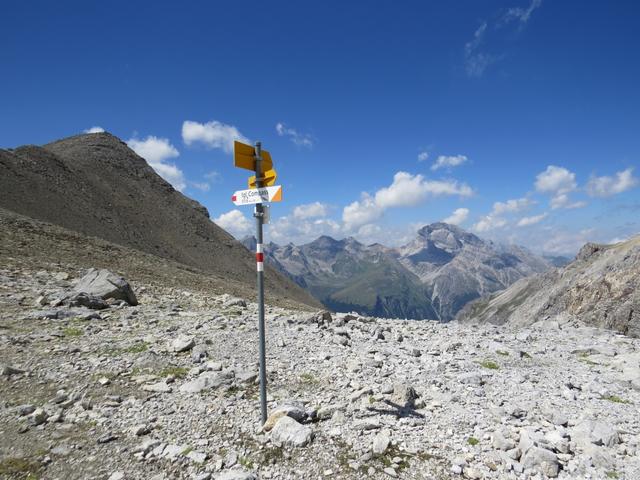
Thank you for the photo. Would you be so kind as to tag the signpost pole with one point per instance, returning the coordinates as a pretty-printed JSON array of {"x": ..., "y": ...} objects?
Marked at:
[{"x": 259, "y": 214}]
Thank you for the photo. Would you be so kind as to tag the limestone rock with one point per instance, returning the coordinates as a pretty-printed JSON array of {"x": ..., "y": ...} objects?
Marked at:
[
  {"x": 105, "y": 285},
  {"x": 289, "y": 433}
]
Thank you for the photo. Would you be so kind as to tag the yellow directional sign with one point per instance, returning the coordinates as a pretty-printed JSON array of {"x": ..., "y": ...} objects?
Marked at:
[
  {"x": 268, "y": 179},
  {"x": 244, "y": 157}
]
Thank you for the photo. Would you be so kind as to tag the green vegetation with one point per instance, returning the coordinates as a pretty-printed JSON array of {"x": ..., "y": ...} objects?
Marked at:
[
  {"x": 178, "y": 372},
  {"x": 612, "y": 474},
  {"x": 14, "y": 466},
  {"x": 615, "y": 399},
  {"x": 138, "y": 347},
  {"x": 72, "y": 332},
  {"x": 524, "y": 354},
  {"x": 473, "y": 441},
  {"x": 584, "y": 358},
  {"x": 245, "y": 462},
  {"x": 186, "y": 451},
  {"x": 502, "y": 352},
  {"x": 490, "y": 364},
  {"x": 308, "y": 378}
]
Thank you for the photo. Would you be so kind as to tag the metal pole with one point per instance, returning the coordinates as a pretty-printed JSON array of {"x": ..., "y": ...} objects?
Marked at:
[{"x": 260, "y": 267}]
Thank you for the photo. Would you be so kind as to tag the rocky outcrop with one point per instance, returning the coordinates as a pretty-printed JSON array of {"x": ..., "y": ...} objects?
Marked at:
[{"x": 600, "y": 288}]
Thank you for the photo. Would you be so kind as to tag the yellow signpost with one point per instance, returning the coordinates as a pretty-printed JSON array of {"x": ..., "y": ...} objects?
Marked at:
[
  {"x": 261, "y": 189},
  {"x": 268, "y": 180},
  {"x": 244, "y": 157}
]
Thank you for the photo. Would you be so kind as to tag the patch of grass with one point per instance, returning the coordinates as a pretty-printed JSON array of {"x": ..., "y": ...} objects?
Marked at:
[
  {"x": 371, "y": 399},
  {"x": 178, "y": 372},
  {"x": 19, "y": 466},
  {"x": 245, "y": 462},
  {"x": 308, "y": 378},
  {"x": 615, "y": 399},
  {"x": 613, "y": 474},
  {"x": 473, "y": 441},
  {"x": 137, "y": 347},
  {"x": 186, "y": 451},
  {"x": 584, "y": 358},
  {"x": 490, "y": 364},
  {"x": 72, "y": 332},
  {"x": 502, "y": 352}
]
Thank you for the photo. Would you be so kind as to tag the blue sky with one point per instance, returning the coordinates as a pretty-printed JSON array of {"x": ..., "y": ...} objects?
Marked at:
[{"x": 517, "y": 119}]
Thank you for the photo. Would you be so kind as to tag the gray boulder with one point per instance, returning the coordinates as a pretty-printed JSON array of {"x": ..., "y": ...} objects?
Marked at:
[
  {"x": 542, "y": 460},
  {"x": 105, "y": 285},
  {"x": 84, "y": 299},
  {"x": 289, "y": 433}
]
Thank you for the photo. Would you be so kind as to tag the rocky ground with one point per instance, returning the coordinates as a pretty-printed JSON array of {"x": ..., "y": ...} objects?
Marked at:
[{"x": 167, "y": 389}]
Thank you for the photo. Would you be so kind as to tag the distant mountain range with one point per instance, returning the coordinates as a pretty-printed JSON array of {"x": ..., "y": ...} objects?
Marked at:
[{"x": 432, "y": 277}]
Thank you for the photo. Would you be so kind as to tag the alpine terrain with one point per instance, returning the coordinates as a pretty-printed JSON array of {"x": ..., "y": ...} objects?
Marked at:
[
  {"x": 601, "y": 287},
  {"x": 96, "y": 185},
  {"x": 432, "y": 277}
]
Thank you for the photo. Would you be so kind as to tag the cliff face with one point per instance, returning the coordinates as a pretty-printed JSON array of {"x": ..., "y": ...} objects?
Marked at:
[{"x": 601, "y": 287}]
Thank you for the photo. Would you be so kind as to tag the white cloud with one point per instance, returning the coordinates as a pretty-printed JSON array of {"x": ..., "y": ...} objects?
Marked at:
[
  {"x": 361, "y": 212},
  {"x": 512, "y": 206},
  {"x": 489, "y": 222},
  {"x": 156, "y": 151},
  {"x": 562, "y": 242},
  {"x": 94, "y": 130},
  {"x": 289, "y": 229},
  {"x": 520, "y": 14},
  {"x": 449, "y": 161},
  {"x": 558, "y": 182},
  {"x": 423, "y": 156},
  {"x": 310, "y": 210},
  {"x": 409, "y": 190},
  {"x": 562, "y": 200},
  {"x": 476, "y": 62},
  {"x": 300, "y": 139},
  {"x": 212, "y": 134},
  {"x": 235, "y": 223},
  {"x": 213, "y": 176},
  {"x": 457, "y": 217},
  {"x": 526, "y": 221},
  {"x": 608, "y": 186}
]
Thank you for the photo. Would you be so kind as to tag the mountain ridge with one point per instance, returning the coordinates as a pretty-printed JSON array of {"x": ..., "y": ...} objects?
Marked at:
[
  {"x": 431, "y": 277},
  {"x": 96, "y": 185}
]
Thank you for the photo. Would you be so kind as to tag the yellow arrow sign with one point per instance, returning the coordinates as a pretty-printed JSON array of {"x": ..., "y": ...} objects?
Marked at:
[
  {"x": 244, "y": 157},
  {"x": 268, "y": 179}
]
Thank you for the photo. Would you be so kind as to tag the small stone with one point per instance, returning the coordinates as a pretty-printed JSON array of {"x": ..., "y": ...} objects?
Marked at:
[
  {"x": 104, "y": 381},
  {"x": 404, "y": 396},
  {"x": 160, "y": 387},
  {"x": 542, "y": 460},
  {"x": 106, "y": 438},
  {"x": 38, "y": 417},
  {"x": 390, "y": 471},
  {"x": 116, "y": 476},
  {"x": 235, "y": 475},
  {"x": 197, "y": 457},
  {"x": 182, "y": 344},
  {"x": 381, "y": 442}
]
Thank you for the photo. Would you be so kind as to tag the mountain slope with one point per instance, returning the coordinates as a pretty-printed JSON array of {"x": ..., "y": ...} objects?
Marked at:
[
  {"x": 456, "y": 266},
  {"x": 96, "y": 185},
  {"x": 601, "y": 287},
  {"x": 432, "y": 277}
]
